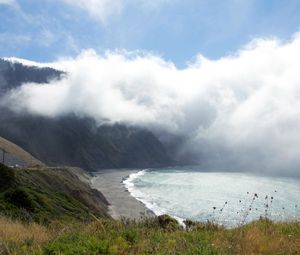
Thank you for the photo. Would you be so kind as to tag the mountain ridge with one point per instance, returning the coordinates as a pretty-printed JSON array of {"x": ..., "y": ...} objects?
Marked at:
[{"x": 12, "y": 154}]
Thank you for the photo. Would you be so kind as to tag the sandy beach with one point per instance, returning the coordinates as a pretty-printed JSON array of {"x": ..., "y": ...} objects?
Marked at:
[{"x": 122, "y": 204}]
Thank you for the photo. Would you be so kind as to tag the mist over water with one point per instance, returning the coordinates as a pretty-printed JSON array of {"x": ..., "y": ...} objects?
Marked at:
[{"x": 188, "y": 194}]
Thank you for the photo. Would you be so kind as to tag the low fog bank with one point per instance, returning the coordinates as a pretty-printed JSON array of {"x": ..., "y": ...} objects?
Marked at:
[{"x": 237, "y": 113}]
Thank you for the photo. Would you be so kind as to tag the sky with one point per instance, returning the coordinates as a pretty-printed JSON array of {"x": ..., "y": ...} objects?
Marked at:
[{"x": 45, "y": 30}]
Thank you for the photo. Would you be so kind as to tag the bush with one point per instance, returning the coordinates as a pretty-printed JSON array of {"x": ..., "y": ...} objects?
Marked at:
[
  {"x": 167, "y": 222},
  {"x": 20, "y": 198},
  {"x": 131, "y": 236},
  {"x": 7, "y": 177}
]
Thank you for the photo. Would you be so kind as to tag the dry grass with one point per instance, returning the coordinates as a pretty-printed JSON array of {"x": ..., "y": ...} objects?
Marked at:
[
  {"x": 16, "y": 231},
  {"x": 147, "y": 237},
  {"x": 16, "y": 237},
  {"x": 261, "y": 237}
]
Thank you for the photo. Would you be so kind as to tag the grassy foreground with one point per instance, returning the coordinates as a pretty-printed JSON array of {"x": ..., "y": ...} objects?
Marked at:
[{"x": 151, "y": 236}]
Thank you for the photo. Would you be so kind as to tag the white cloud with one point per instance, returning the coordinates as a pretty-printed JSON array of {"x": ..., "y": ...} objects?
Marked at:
[
  {"x": 47, "y": 38},
  {"x": 12, "y": 3},
  {"x": 99, "y": 9},
  {"x": 241, "y": 112},
  {"x": 152, "y": 4},
  {"x": 102, "y": 10},
  {"x": 8, "y": 2}
]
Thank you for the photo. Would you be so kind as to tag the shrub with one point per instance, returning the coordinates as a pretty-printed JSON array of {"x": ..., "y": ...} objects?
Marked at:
[
  {"x": 131, "y": 236},
  {"x": 167, "y": 222},
  {"x": 20, "y": 198},
  {"x": 7, "y": 177}
]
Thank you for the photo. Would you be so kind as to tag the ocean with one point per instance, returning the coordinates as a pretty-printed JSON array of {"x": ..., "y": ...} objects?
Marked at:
[{"x": 230, "y": 199}]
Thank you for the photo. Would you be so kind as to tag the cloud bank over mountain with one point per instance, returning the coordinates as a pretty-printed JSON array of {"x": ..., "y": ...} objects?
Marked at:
[{"x": 240, "y": 112}]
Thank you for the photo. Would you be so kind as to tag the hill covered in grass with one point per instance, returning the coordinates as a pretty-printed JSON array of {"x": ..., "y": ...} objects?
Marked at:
[
  {"x": 47, "y": 194},
  {"x": 15, "y": 155}
]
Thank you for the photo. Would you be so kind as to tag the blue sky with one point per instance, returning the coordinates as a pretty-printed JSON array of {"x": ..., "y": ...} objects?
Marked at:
[{"x": 176, "y": 30}]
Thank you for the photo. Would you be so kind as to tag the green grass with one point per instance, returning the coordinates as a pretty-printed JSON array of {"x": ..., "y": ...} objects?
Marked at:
[
  {"x": 149, "y": 236},
  {"x": 39, "y": 195}
]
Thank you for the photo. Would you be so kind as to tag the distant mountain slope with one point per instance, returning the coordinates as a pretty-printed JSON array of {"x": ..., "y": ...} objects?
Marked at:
[
  {"x": 15, "y": 74},
  {"x": 73, "y": 140},
  {"x": 15, "y": 155},
  {"x": 79, "y": 142}
]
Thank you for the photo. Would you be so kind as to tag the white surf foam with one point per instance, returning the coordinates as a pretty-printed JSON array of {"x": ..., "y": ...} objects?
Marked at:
[{"x": 142, "y": 197}]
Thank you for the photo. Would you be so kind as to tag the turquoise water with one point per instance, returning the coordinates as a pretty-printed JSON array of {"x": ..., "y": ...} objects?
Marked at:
[{"x": 230, "y": 199}]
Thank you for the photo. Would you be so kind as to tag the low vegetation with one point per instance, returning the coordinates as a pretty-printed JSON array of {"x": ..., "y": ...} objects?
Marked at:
[
  {"x": 42, "y": 213},
  {"x": 149, "y": 236},
  {"x": 42, "y": 195}
]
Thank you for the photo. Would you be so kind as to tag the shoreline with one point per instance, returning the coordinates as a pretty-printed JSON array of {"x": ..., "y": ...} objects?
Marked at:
[{"x": 122, "y": 205}]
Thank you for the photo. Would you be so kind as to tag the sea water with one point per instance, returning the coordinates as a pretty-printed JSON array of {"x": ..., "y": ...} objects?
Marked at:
[{"x": 230, "y": 199}]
